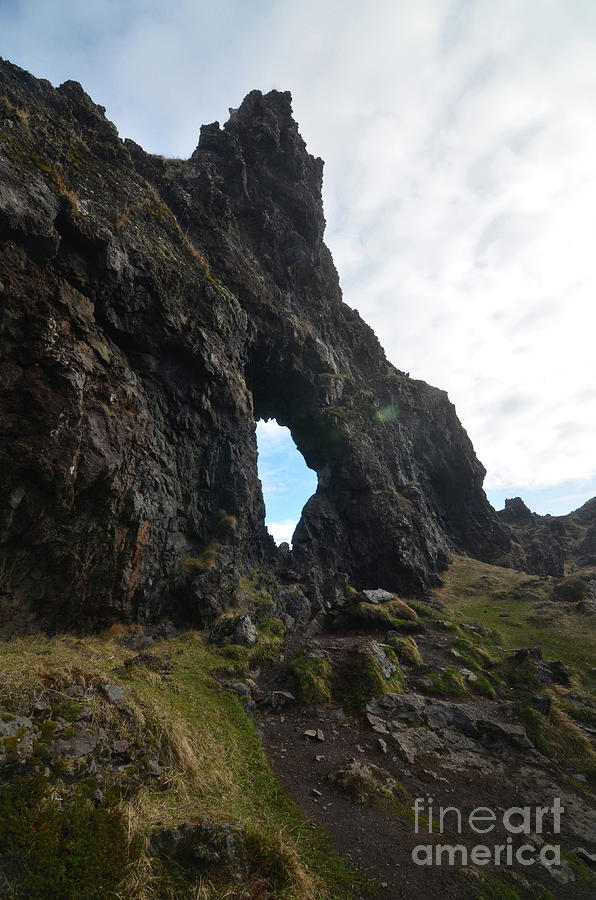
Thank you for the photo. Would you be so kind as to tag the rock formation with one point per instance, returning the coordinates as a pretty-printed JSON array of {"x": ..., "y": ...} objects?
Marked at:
[
  {"x": 540, "y": 537},
  {"x": 551, "y": 545},
  {"x": 152, "y": 310}
]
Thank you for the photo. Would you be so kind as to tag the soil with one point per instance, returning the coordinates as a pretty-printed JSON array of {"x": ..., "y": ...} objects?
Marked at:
[{"x": 372, "y": 837}]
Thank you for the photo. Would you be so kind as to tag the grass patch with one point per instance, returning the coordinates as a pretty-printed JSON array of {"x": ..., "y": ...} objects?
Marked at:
[
  {"x": 507, "y": 887},
  {"x": 448, "y": 683},
  {"x": 584, "y": 714},
  {"x": 406, "y": 649},
  {"x": 59, "y": 848},
  {"x": 520, "y": 674},
  {"x": 360, "y": 678},
  {"x": 213, "y": 765},
  {"x": 582, "y": 871},
  {"x": 253, "y": 595},
  {"x": 314, "y": 678},
  {"x": 477, "y": 592},
  {"x": 366, "y": 783},
  {"x": 483, "y": 687},
  {"x": 475, "y": 656},
  {"x": 381, "y": 616},
  {"x": 205, "y": 560},
  {"x": 421, "y": 609},
  {"x": 241, "y": 660},
  {"x": 558, "y": 738}
]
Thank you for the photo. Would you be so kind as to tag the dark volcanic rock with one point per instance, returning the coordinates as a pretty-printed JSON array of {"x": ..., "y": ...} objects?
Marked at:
[
  {"x": 153, "y": 309},
  {"x": 553, "y": 545},
  {"x": 540, "y": 537}
]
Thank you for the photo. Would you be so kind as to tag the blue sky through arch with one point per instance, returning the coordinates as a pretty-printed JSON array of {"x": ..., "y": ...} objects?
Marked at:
[{"x": 287, "y": 481}]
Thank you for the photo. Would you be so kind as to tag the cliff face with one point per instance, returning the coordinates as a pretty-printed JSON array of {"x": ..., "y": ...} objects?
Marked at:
[
  {"x": 153, "y": 309},
  {"x": 553, "y": 544}
]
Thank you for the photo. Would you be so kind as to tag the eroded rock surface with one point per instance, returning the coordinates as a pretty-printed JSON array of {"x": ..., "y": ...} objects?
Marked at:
[{"x": 152, "y": 310}]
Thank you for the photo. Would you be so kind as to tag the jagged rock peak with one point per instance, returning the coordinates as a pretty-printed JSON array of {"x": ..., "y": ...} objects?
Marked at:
[{"x": 152, "y": 309}]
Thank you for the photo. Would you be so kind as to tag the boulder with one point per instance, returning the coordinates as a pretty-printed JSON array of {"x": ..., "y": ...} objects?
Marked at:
[
  {"x": 235, "y": 630},
  {"x": 376, "y": 596}
]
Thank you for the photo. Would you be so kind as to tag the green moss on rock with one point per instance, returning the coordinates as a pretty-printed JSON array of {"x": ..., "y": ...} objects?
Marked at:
[
  {"x": 314, "y": 678},
  {"x": 52, "y": 850}
]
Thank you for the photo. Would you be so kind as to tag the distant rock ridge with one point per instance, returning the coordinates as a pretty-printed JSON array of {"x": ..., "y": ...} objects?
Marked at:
[
  {"x": 152, "y": 311},
  {"x": 553, "y": 544}
]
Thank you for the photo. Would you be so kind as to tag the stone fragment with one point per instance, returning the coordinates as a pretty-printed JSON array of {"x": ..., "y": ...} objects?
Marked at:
[
  {"x": 377, "y": 596},
  {"x": 81, "y": 743},
  {"x": 415, "y": 742},
  {"x": 507, "y": 732},
  {"x": 377, "y": 724},
  {"x": 11, "y": 727},
  {"x": 201, "y": 844},
  {"x": 153, "y": 766},
  {"x": 237, "y": 688},
  {"x": 386, "y": 666},
  {"x": 562, "y": 874},
  {"x": 114, "y": 694},
  {"x": 585, "y": 856},
  {"x": 234, "y": 629},
  {"x": 282, "y": 698}
]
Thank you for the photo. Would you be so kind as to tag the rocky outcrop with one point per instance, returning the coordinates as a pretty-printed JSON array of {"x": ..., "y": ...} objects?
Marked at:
[
  {"x": 553, "y": 545},
  {"x": 539, "y": 536},
  {"x": 152, "y": 310}
]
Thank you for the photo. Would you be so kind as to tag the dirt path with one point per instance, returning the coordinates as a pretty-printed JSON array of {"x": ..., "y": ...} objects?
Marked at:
[{"x": 372, "y": 837}]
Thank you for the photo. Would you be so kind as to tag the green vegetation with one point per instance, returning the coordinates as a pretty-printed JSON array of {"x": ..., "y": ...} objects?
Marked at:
[
  {"x": 357, "y": 679},
  {"x": 570, "y": 590},
  {"x": 213, "y": 765},
  {"x": 473, "y": 655},
  {"x": 483, "y": 687},
  {"x": 253, "y": 595},
  {"x": 367, "y": 783},
  {"x": 582, "y": 872},
  {"x": 241, "y": 660},
  {"x": 53, "y": 849},
  {"x": 314, "y": 678},
  {"x": 360, "y": 678},
  {"x": 561, "y": 740},
  {"x": 448, "y": 683},
  {"x": 394, "y": 614},
  {"x": 584, "y": 714},
  {"x": 15, "y": 113},
  {"x": 406, "y": 649},
  {"x": 521, "y": 675},
  {"x": 476, "y": 592},
  {"x": 205, "y": 560},
  {"x": 421, "y": 609},
  {"x": 506, "y": 887}
]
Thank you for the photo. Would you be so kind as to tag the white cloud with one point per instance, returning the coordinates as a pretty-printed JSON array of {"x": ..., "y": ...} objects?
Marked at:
[
  {"x": 460, "y": 188},
  {"x": 282, "y": 531}
]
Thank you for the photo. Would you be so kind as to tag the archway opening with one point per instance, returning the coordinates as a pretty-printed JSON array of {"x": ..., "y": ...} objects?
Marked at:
[{"x": 286, "y": 479}]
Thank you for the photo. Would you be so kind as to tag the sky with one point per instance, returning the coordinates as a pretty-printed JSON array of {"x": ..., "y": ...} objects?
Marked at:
[{"x": 459, "y": 140}]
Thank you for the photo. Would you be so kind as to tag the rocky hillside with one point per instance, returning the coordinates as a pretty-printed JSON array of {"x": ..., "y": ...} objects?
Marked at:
[
  {"x": 152, "y": 309},
  {"x": 187, "y": 711},
  {"x": 554, "y": 544}
]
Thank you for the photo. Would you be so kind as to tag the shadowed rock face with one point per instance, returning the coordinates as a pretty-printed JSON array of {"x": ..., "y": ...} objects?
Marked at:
[
  {"x": 541, "y": 537},
  {"x": 552, "y": 544},
  {"x": 153, "y": 309}
]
